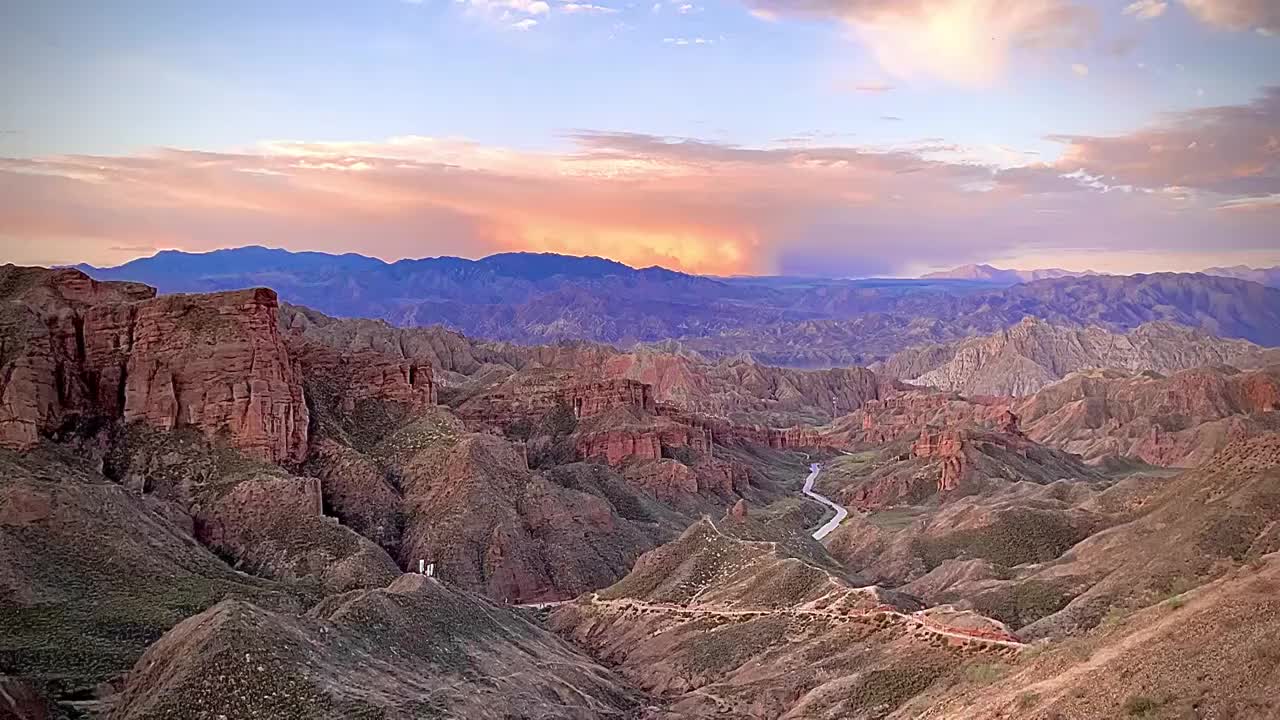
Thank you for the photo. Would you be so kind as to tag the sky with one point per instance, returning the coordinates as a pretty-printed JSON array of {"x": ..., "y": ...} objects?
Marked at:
[{"x": 816, "y": 137}]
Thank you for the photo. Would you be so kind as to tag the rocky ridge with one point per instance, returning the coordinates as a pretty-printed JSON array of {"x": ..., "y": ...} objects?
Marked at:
[{"x": 1033, "y": 354}]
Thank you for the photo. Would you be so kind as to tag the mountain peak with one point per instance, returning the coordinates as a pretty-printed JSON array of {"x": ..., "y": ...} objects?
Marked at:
[{"x": 991, "y": 273}]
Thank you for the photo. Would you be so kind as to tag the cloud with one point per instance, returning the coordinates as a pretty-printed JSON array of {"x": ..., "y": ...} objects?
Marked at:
[
  {"x": 966, "y": 42},
  {"x": 1261, "y": 15},
  {"x": 1080, "y": 69},
  {"x": 1232, "y": 149},
  {"x": 1146, "y": 9},
  {"x": 522, "y": 13},
  {"x": 587, "y": 9},
  {"x": 873, "y": 87},
  {"x": 686, "y": 203}
]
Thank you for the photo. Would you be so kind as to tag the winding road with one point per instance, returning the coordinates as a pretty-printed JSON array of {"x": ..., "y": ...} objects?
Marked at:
[{"x": 841, "y": 512}]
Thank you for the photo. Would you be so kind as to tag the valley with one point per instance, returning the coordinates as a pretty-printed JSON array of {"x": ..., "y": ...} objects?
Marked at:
[{"x": 221, "y": 500}]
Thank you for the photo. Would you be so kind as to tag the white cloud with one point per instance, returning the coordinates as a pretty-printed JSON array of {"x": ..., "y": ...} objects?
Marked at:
[
  {"x": 525, "y": 7},
  {"x": 525, "y": 24},
  {"x": 1261, "y": 15},
  {"x": 587, "y": 9},
  {"x": 1080, "y": 69},
  {"x": 966, "y": 42},
  {"x": 688, "y": 41},
  {"x": 1146, "y": 9}
]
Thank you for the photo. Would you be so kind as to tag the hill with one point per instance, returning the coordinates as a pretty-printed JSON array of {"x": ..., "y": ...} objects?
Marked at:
[{"x": 1033, "y": 354}]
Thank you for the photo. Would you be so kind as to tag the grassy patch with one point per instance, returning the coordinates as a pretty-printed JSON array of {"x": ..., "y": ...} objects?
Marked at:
[
  {"x": 1015, "y": 537},
  {"x": 884, "y": 690},
  {"x": 896, "y": 518},
  {"x": 1023, "y": 603},
  {"x": 984, "y": 673},
  {"x": 1141, "y": 706}
]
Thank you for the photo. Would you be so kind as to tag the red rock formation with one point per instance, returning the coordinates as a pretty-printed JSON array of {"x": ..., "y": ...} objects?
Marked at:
[
  {"x": 948, "y": 447},
  {"x": 1179, "y": 420},
  {"x": 617, "y": 446},
  {"x": 890, "y": 419},
  {"x": 724, "y": 432},
  {"x": 600, "y": 397},
  {"x": 666, "y": 480},
  {"x": 531, "y": 394},
  {"x": 671, "y": 481},
  {"x": 739, "y": 510},
  {"x": 214, "y": 362},
  {"x": 343, "y": 379}
]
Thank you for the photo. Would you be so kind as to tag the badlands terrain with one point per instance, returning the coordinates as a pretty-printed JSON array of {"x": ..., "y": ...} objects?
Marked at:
[{"x": 1061, "y": 496}]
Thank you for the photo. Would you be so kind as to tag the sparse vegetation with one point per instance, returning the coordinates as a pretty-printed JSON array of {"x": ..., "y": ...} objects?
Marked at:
[
  {"x": 1141, "y": 706},
  {"x": 883, "y": 690},
  {"x": 1022, "y": 603},
  {"x": 1114, "y": 616},
  {"x": 1014, "y": 537},
  {"x": 984, "y": 673}
]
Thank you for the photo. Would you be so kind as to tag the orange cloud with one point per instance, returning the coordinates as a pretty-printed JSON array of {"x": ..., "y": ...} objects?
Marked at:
[{"x": 682, "y": 203}]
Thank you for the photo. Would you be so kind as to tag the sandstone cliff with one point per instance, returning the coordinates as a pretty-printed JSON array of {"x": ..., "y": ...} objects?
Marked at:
[{"x": 77, "y": 350}]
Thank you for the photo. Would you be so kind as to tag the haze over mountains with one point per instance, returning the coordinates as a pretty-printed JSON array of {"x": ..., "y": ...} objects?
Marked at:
[
  {"x": 215, "y": 487},
  {"x": 995, "y": 274},
  {"x": 538, "y": 298},
  {"x": 1266, "y": 276}
]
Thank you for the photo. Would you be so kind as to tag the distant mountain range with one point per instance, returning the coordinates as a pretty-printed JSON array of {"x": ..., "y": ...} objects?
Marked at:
[
  {"x": 1266, "y": 276},
  {"x": 800, "y": 322},
  {"x": 988, "y": 273}
]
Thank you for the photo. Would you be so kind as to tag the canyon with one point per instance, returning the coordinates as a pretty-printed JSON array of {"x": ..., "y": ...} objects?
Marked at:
[{"x": 194, "y": 479}]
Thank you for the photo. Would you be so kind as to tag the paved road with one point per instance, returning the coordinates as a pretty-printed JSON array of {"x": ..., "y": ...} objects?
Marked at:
[{"x": 841, "y": 512}]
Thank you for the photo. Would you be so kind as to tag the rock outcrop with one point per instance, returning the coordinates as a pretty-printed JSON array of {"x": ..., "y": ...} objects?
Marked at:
[
  {"x": 946, "y": 447},
  {"x": 497, "y": 528},
  {"x": 902, "y": 416},
  {"x": 1034, "y": 354},
  {"x": 1179, "y": 420},
  {"x": 78, "y": 350},
  {"x": 273, "y": 526},
  {"x": 618, "y": 446}
]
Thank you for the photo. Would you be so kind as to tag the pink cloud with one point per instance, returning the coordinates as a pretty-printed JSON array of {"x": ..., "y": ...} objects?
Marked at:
[
  {"x": 680, "y": 202},
  {"x": 1232, "y": 150}
]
